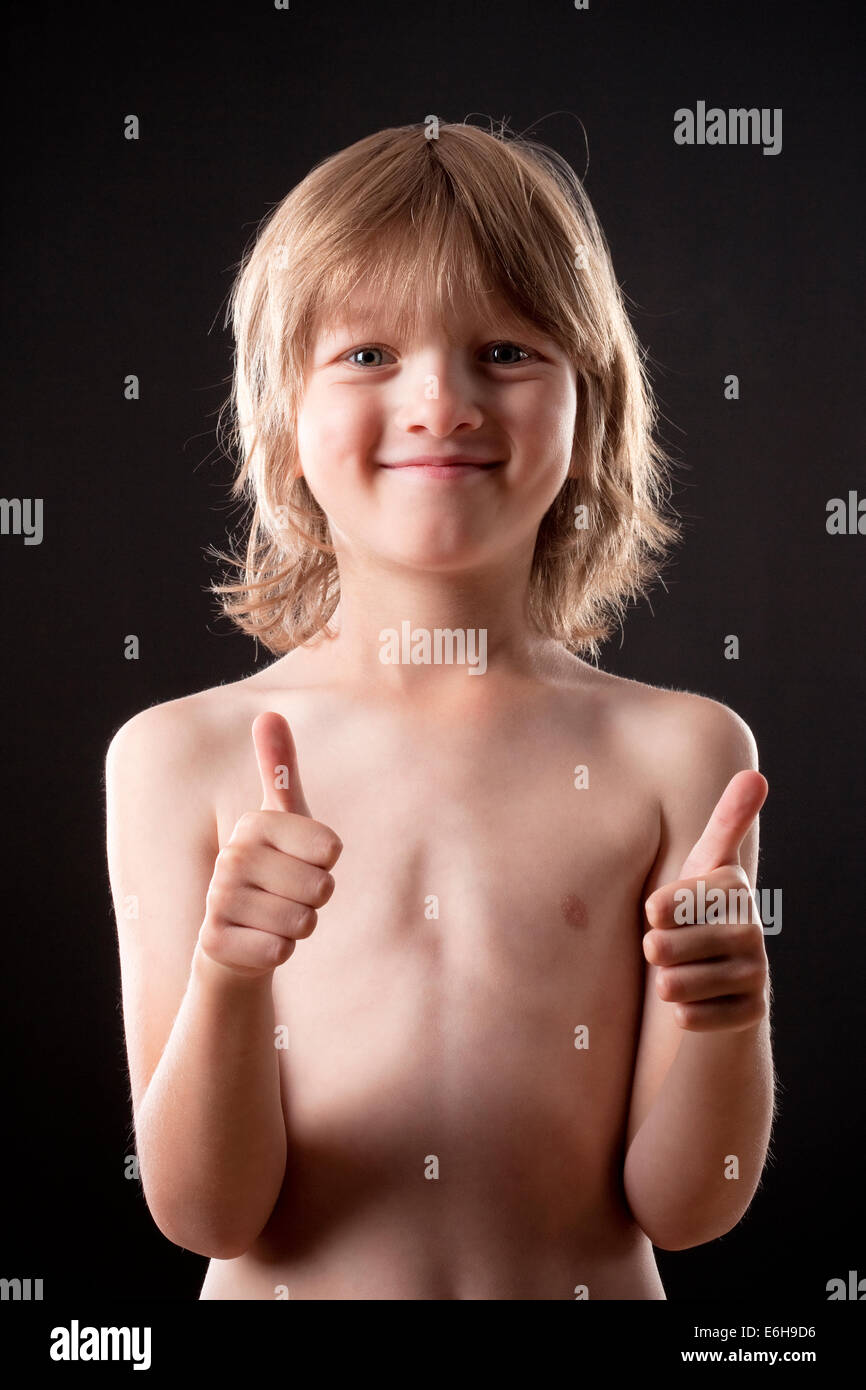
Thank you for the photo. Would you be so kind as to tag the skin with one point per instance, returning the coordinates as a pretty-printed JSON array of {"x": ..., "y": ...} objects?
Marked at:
[
  {"x": 715, "y": 972},
  {"x": 410, "y": 545},
  {"x": 447, "y": 1038}
]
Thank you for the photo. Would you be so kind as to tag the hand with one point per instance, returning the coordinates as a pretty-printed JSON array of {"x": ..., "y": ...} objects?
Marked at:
[
  {"x": 715, "y": 972},
  {"x": 273, "y": 873}
]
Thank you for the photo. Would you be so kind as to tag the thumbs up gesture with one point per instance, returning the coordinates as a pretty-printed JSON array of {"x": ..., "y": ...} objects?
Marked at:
[
  {"x": 274, "y": 872},
  {"x": 706, "y": 933}
]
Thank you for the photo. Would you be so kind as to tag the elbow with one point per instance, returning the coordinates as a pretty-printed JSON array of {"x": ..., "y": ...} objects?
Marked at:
[
  {"x": 674, "y": 1242},
  {"x": 680, "y": 1231},
  {"x": 196, "y": 1215},
  {"x": 680, "y": 1220},
  {"x": 200, "y": 1239},
  {"x": 190, "y": 1226},
  {"x": 686, "y": 1237},
  {"x": 665, "y": 1238}
]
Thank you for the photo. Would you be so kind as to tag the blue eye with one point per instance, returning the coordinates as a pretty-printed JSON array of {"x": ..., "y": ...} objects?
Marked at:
[
  {"x": 369, "y": 348},
  {"x": 494, "y": 347}
]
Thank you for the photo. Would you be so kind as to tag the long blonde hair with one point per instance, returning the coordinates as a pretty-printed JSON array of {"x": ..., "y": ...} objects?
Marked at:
[{"x": 419, "y": 220}]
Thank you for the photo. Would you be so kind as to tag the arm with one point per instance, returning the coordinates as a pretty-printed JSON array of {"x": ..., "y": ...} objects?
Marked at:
[
  {"x": 210, "y": 1133},
  {"x": 703, "y": 1088}
]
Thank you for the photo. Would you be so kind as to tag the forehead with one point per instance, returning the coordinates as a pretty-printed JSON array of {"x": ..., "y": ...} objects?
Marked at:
[{"x": 459, "y": 317}]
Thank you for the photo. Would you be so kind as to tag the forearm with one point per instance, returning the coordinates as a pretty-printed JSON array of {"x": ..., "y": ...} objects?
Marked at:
[
  {"x": 710, "y": 1121},
  {"x": 210, "y": 1131}
]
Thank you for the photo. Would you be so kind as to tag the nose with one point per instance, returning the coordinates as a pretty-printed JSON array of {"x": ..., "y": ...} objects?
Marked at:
[{"x": 439, "y": 396}]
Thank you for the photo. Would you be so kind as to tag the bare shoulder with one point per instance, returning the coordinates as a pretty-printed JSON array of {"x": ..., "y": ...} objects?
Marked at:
[
  {"x": 681, "y": 750},
  {"x": 687, "y": 747},
  {"x": 168, "y": 748},
  {"x": 672, "y": 728},
  {"x": 159, "y": 781},
  {"x": 193, "y": 752},
  {"x": 173, "y": 728},
  {"x": 192, "y": 727},
  {"x": 693, "y": 729}
]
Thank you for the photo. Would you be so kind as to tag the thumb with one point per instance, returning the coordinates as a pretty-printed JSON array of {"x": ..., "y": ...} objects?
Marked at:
[
  {"x": 730, "y": 822},
  {"x": 278, "y": 765}
]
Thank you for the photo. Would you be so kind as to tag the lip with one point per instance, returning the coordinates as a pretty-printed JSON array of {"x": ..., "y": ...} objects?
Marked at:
[{"x": 437, "y": 466}]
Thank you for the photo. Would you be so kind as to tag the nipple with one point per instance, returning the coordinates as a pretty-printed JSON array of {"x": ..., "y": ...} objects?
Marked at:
[{"x": 574, "y": 910}]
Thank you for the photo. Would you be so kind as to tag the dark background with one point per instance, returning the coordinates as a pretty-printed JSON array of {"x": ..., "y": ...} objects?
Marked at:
[{"x": 118, "y": 257}]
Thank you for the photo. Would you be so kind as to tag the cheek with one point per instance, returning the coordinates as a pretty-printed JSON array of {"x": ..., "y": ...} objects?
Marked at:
[
  {"x": 333, "y": 429},
  {"x": 547, "y": 445},
  {"x": 547, "y": 440},
  {"x": 546, "y": 416},
  {"x": 305, "y": 437},
  {"x": 315, "y": 433},
  {"x": 563, "y": 418}
]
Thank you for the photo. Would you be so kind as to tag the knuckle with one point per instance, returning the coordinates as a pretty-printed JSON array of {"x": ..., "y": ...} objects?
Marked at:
[
  {"x": 747, "y": 935},
  {"x": 218, "y": 898},
  {"x": 324, "y": 887},
  {"x": 209, "y": 937},
  {"x": 666, "y": 984},
  {"x": 228, "y": 858},
  {"x": 739, "y": 914},
  {"x": 278, "y": 949},
  {"x": 268, "y": 949},
  {"x": 246, "y": 825},
  {"x": 663, "y": 948},
  {"x": 328, "y": 846},
  {"x": 305, "y": 921},
  {"x": 754, "y": 970}
]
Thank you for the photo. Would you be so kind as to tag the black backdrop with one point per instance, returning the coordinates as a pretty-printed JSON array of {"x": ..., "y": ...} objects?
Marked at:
[{"x": 118, "y": 257}]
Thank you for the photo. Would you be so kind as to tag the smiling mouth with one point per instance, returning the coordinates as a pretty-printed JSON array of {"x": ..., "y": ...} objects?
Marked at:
[
  {"x": 441, "y": 472},
  {"x": 444, "y": 467}
]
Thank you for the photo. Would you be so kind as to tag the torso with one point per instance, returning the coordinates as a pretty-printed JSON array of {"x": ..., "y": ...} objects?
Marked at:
[{"x": 418, "y": 1042}]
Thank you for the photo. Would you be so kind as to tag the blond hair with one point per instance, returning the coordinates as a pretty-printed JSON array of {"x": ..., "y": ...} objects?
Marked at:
[{"x": 420, "y": 220}]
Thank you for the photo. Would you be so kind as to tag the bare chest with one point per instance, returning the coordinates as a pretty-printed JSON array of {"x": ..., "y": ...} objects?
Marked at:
[{"x": 484, "y": 931}]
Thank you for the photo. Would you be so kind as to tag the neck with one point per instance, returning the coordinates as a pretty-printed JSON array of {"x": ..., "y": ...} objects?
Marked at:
[{"x": 432, "y": 635}]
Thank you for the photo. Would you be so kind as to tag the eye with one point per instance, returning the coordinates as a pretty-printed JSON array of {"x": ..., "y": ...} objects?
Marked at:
[
  {"x": 513, "y": 347},
  {"x": 367, "y": 349},
  {"x": 372, "y": 348}
]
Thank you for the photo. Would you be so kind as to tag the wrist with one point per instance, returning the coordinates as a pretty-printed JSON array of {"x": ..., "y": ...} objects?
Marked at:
[{"x": 212, "y": 972}]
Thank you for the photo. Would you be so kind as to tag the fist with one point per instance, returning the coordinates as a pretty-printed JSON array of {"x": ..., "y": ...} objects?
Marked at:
[
  {"x": 713, "y": 964},
  {"x": 273, "y": 874}
]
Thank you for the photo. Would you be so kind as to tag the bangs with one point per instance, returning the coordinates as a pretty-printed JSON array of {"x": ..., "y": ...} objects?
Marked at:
[
  {"x": 421, "y": 226},
  {"x": 427, "y": 266}
]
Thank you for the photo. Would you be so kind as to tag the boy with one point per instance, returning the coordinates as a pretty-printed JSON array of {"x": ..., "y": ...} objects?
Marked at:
[{"x": 408, "y": 1011}]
